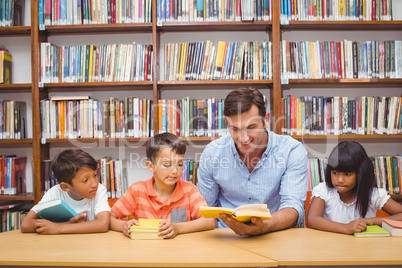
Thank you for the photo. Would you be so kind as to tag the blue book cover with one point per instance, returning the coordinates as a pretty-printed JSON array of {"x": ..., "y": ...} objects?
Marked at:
[
  {"x": 40, "y": 12},
  {"x": 55, "y": 211},
  {"x": 63, "y": 12},
  {"x": 200, "y": 10}
]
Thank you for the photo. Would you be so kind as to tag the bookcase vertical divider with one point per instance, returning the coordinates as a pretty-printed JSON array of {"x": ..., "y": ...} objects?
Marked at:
[
  {"x": 155, "y": 66},
  {"x": 276, "y": 65}
]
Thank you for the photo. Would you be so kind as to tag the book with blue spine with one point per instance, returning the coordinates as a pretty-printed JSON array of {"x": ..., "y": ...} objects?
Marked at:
[{"x": 55, "y": 210}]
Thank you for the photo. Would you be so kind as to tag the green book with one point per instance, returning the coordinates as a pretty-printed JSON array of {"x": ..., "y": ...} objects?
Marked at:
[
  {"x": 372, "y": 231},
  {"x": 55, "y": 211}
]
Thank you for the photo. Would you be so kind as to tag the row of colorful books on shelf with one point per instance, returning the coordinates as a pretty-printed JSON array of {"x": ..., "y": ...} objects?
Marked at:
[
  {"x": 214, "y": 10},
  {"x": 113, "y": 175},
  {"x": 387, "y": 171},
  {"x": 11, "y": 216},
  {"x": 75, "y": 12},
  {"x": 189, "y": 117},
  {"x": 91, "y": 63},
  {"x": 336, "y": 10},
  {"x": 5, "y": 66},
  {"x": 12, "y": 175},
  {"x": 90, "y": 118},
  {"x": 341, "y": 59},
  {"x": 12, "y": 119},
  {"x": 227, "y": 61},
  {"x": 318, "y": 115},
  {"x": 12, "y": 13}
]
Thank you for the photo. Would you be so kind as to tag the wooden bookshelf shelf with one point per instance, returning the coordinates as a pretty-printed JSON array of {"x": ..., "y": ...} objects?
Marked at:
[
  {"x": 356, "y": 83},
  {"x": 201, "y": 139},
  {"x": 22, "y": 87},
  {"x": 103, "y": 140},
  {"x": 214, "y": 82},
  {"x": 19, "y": 197},
  {"x": 343, "y": 25},
  {"x": 16, "y": 30},
  {"x": 22, "y": 141},
  {"x": 346, "y": 137},
  {"x": 132, "y": 85},
  {"x": 216, "y": 26},
  {"x": 98, "y": 28}
]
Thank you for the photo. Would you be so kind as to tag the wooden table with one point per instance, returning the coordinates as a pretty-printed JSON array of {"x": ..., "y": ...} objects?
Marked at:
[
  {"x": 216, "y": 248},
  {"x": 112, "y": 249},
  {"x": 308, "y": 247}
]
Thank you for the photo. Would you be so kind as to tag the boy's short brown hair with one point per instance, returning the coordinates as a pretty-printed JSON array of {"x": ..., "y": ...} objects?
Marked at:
[
  {"x": 161, "y": 141},
  {"x": 66, "y": 164}
]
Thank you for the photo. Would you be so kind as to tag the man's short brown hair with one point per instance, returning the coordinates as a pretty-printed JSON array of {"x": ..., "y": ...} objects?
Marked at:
[{"x": 240, "y": 100}]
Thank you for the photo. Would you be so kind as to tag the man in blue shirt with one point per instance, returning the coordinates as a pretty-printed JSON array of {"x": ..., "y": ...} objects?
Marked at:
[{"x": 254, "y": 166}]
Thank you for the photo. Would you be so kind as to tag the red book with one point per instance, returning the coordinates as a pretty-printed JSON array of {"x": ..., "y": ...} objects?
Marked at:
[
  {"x": 177, "y": 112},
  {"x": 333, "y": 74},
  {"x": 373, "y": 10},
  {"x": 18, "y": 174},
  {"x": 113, "y": 9},
  {"x": 146, "y": 64},
  {"x": 292, "y": 9},
  {"x": 384, "y": 8},
  {"x": 329, "y": 116},
  {"x": 339, "y": 60},
  {"x": 238, "y": 9}
]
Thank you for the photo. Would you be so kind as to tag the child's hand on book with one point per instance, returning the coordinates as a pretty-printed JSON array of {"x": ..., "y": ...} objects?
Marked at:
[
  {"x": 240, "y": 228},
  {"x": 355, "y": 226},
  {"x": 126, "y": 227},
  {"x": 77, "y": 219},
  {"x": 167, "y": 229}
]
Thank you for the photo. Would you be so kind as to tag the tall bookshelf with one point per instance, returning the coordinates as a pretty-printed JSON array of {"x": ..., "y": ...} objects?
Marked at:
[{"x": 157, "y": 88}]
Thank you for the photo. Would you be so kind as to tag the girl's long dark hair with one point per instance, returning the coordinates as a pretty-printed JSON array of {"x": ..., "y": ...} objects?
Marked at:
[{"x": 350, "y": 156}]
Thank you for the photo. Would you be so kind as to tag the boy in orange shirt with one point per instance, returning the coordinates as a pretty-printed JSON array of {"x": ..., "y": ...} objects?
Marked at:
[{"x": 164, "y": 196}]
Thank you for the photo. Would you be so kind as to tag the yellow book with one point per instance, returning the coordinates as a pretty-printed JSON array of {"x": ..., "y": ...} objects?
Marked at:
[
  {"x": 160, "y": 116},
  {"x": 220, "y": 54},
  {"x": 144, "y": 117},
  {"x": 242, "y": 213},
  {"x": 5, "y": 69},
  {"x": 147, "y": 229},
  {"x": 91, "y": 50}
]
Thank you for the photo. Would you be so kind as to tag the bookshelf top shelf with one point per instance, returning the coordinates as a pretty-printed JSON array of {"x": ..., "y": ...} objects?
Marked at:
[
  {"x": 369, "y": 82},
  {"x": 343, "y": 25},
  {"x": 132, "y": 85},
  {"x": 214, "y": 82},
  {"x": 15, "y": 141},
  {"x": 6, "y": 88},
  {"x": 19, "y": 197},
  {"x": 15, "y": 30},
  {"x": 346, "y": 137},
  {"x": 216, "y": 26},
  {"x": 98, "y": 28}
]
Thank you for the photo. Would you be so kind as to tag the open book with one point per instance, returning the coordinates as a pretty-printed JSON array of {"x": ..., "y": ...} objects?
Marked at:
[
  {"x": 243, "y": 213},
  {"x": 55, "y": 211},
  {"x": 147, "y": 229}
]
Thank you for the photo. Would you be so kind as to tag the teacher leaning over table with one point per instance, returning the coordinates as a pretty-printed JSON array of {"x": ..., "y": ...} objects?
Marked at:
[{"x": 253, "y": 165}]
